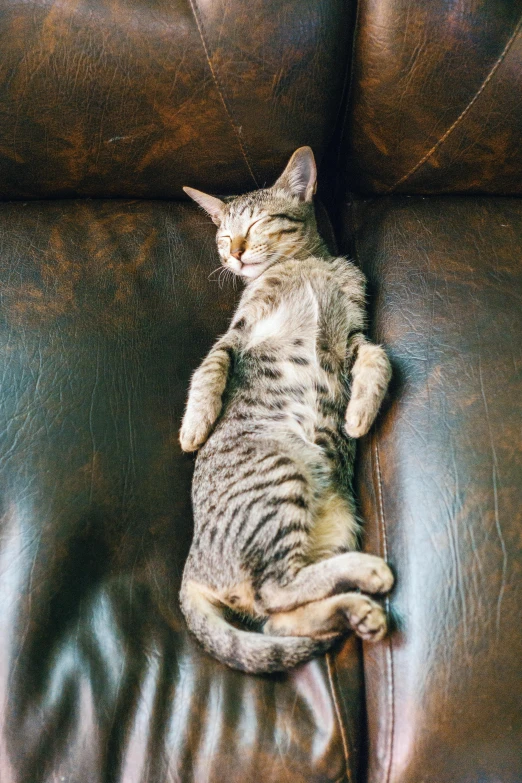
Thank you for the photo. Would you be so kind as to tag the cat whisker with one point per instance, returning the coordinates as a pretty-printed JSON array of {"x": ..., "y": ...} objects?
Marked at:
[
  {"x": 217, "y": 269},
  {"x": 224, "y": 277}
]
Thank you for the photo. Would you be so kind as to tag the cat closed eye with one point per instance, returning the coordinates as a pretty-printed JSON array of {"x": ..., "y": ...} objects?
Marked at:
[{"x": 256, "y": 222}]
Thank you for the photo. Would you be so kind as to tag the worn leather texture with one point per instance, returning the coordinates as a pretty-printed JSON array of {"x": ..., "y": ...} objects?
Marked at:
[
  {"x": 106, "y": 309},
  {"x": 137, "y": 98},
  {"x": 435, "y": 100},
  {"x": 441, "y": 488}
]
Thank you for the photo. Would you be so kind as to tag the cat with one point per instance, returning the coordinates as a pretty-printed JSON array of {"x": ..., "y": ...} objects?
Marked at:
[{"x": 273, "y": 576}]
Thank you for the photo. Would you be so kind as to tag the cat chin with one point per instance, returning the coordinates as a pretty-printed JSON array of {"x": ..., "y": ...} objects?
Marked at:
[{"x": 249, "y": 271}]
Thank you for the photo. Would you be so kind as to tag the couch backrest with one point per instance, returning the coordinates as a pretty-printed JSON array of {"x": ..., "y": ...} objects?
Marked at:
[
  {"x": 436, "y": 97},
  {"x": 136, "y": 98}
]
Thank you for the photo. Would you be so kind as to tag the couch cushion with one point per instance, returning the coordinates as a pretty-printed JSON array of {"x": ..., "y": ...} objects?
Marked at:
[
  {"x": 435, "y": 103},
  {"x": 442, "y": 488},
  {"x": 106, "y": 309},
  {"x": 137, "y": 98}
]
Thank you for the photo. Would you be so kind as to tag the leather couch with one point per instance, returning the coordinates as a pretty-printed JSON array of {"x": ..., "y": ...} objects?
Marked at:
[{"x": 108, "y": 107}]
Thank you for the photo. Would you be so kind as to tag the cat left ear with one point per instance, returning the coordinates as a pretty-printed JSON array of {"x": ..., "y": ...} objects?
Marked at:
[
  {"x": 214, "y": 206},
  {"x": 300, "y": 175}
]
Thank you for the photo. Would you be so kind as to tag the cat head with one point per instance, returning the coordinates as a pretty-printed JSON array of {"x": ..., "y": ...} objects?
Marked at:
[{"x": 258, "y": 229}]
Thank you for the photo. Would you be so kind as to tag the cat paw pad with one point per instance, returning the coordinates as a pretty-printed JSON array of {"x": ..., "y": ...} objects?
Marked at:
[{"x": 368, "y": 619}]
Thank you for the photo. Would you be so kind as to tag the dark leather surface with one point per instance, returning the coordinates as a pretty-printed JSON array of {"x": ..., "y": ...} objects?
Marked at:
[
  {"x": 441, "y": 488},
  {"x": 136, "y": 98},
  {"x": 106, "y": 309},
  {"x": 435, "y": 103}
]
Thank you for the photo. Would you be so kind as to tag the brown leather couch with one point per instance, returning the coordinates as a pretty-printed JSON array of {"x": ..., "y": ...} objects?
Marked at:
[{"x": 108, "y": 107}]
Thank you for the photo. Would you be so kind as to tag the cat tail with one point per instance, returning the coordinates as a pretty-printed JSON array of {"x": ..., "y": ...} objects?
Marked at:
[{"x": 248, "y": 651}]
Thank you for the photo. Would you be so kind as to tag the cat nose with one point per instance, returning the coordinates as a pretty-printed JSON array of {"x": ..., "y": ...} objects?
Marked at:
[{"x": 237, "y": 246}]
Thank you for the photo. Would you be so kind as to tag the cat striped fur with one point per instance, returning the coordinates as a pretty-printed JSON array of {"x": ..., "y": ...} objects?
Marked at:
[{"x": 273, "y": 576}]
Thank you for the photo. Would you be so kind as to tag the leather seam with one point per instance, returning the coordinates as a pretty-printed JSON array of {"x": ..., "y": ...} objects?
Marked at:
[
  {"x": 377, "y": 481},
  {"x": 389, "y": 648},
  {"x": 330, "y": 665},
  {"x": 206, "y": 48},
  {"x": 463, "y": 113}
]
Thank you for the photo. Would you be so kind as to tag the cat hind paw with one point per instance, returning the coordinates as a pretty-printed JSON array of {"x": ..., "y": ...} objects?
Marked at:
[{"x": 368, "y": 619}]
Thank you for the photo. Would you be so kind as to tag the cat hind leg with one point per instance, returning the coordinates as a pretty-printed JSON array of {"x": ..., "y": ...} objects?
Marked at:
[
  {"x": 331, "y": 617},
  {"x": 331, "y": 576}
]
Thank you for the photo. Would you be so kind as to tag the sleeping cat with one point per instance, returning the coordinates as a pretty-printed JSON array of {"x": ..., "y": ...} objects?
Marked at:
[{"x": 273, "y": 410}]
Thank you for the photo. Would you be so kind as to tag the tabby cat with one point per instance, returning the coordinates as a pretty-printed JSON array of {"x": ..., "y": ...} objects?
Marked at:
[{"x": 273, "y": 410}]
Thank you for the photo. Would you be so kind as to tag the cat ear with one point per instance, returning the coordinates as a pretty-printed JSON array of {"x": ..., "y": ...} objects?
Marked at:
[
  {"x": 300, "y": 175},
  {"x": 214, "y": 206}
]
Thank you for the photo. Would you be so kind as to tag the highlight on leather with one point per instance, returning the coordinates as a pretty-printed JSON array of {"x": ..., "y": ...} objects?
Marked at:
[{"x": 104, "y": 317}]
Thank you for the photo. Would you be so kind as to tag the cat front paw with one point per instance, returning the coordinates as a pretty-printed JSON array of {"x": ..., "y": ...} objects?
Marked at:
[
  {"x": 194, "y": 432},
  {"x": 359, "y": 418}
]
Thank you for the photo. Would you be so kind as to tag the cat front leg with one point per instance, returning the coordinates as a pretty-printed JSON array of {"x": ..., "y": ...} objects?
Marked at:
[
  {"x": 371, "y": 373},
  {"x": 205, "y": 395}
]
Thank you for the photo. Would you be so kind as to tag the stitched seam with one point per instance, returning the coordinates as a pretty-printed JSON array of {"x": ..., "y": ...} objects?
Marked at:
[
  {"x": 384, "y": 541},
  {"x": 221, "y": 94},
  {"x": 380, "y": 500},
  {"x": 330, "y": 666},
  {"x": 389, "y": 650},
  {"x": 462, "y": 114}
]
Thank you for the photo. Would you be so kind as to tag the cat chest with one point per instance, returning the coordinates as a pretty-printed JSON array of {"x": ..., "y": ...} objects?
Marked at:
[{"x": 306, "y": 324}]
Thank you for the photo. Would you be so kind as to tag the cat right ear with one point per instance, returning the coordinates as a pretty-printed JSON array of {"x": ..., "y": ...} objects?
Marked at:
[
  {"x": 212, "y": 205},
  {"x": 300, "y": 176}
]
